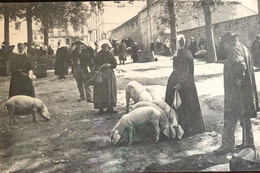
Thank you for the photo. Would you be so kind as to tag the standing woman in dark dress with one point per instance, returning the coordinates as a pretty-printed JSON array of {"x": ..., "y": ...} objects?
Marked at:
[
  {"x": 20, "y": 83},
  {"x": 105, "y": 93},
  {"x": 182, "y": 80}
]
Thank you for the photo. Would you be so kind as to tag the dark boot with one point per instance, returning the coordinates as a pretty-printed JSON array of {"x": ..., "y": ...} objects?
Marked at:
[
  {"x": 100, "y": 111},
  {"x": 111, "y": 110}
]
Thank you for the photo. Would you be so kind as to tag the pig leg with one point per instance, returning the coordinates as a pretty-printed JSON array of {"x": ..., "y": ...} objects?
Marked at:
[
  {"x": 130, "y": 135},
  {"x": 127, "y": 96},
  {"x": 11, "y": 115},
  {"x": 34, "y": 116},
  {"x": 157, "y": 130}
]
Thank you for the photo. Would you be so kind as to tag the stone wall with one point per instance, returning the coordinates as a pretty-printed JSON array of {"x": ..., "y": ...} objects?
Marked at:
[
  {"x": 246, "y": 27},
  {"x": 144, "y": 28},
  {"x": 127, "y": 29}
]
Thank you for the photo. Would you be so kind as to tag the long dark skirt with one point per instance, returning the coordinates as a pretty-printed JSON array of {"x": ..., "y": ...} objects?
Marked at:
[
  {"x": 21, "y": 85},
  {"x": 189, "y": 113},
  {"x": 105, "y": 93}
]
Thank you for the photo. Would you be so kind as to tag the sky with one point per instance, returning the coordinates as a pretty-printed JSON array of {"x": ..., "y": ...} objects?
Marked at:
[{"x": 252, "y": 4}]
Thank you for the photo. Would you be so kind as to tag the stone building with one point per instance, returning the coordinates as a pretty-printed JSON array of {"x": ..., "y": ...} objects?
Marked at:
[
  {"x": 149, "y": 24},
  {"x": 100, "y": 24}
]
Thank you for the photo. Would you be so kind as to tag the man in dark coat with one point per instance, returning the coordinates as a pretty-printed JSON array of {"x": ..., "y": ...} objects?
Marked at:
[
  {"x": 256, "y": 51},
  {"x": 193, "y": 47},
  {"x": 61, "y": 58},
  {"x": 82, "y": 64},
  {"x": 20, "y": 83},
  {"x": 122, "y": 52},
  {"x": 134, "y": 52},
  {"x": 241, "y": 101}
]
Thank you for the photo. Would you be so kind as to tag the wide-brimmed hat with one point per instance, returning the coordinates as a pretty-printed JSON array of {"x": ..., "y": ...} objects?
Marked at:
[
  {"x": 229, "y": 36},
  {"x": 105, "y": 44},
  {"x": 78, "y": 42}
]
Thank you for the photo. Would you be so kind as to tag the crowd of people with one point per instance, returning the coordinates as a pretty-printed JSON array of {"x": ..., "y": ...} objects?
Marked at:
[{"x": 240, "y": 103}]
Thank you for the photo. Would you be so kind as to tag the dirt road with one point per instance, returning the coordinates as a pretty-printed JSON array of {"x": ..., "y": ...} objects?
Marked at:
[{"x": 77, "y": 139}]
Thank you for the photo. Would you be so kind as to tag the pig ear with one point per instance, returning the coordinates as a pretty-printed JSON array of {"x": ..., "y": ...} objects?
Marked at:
[
  {"x": 115, "y": 137},
  {"x": 180, "y": 132}
]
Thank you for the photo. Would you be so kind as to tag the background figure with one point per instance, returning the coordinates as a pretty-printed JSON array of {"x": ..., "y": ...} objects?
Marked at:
[
  {"x": 5, "y": 54},
  {"x": 158, "y": 46},
  {"x": 256, "y": 51},
  {"x": 50, "y": 51},
  {"x": 20, "y": 83},
  {"x": 167, "y": 48},
  {"x": 61, "y": 61},
  {"x": 105, "y": 94},
  {"x": 122, "y": 52},
  {"x": 202, "y": 45},
  {"x": 81, "y": 62},
  {"x": 134, "y": 52},
  {"x": 241, "y": 101},
  {"x": 182, "y": 80},
  {"x": 193, "y": 47},
  {"x": 152, "y": 47}
]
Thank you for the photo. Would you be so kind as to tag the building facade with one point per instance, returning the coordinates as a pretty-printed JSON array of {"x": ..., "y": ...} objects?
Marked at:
[
  {"x": 149, "y": 24},
  {"x": 98, "y": 26}
]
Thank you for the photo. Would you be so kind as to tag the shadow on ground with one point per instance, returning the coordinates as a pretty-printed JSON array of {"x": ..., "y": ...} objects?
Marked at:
[{"x": 192, "y": 163}]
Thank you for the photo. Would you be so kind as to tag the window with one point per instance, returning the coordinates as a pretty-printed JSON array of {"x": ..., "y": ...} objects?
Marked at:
[
  {"x": 59, "y": 33},
  {"x": 67, "y": 41},
  {"x": 51, "y": 33},
  {"x": 35, "y": 37},
  {"x": 17, "y": 25},
  {"x": 41, "y": 37}
]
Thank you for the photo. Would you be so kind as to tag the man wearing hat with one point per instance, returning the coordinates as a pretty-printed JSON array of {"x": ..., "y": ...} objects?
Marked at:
[
  {"x": 256, "y": 51},
  {"x": 241, "y": 101},
  {"x": 82, "y": 63}
]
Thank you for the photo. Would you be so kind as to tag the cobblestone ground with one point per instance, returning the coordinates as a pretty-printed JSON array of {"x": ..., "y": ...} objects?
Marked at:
[{"x": 77, "y": 139}]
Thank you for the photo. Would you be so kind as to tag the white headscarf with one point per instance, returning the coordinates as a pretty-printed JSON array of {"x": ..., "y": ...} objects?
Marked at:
[{"x": 178, "y": 41}]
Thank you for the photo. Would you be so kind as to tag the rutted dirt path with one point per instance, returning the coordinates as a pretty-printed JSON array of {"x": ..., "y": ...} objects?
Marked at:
[{"x": 77, "y": 139}]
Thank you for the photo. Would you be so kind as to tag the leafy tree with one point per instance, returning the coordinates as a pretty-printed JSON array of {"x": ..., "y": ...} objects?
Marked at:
[
  {"x": 59, "y": 15},
  {"x": 9, "y": 11},
  {"x": 50, "y": 14}
]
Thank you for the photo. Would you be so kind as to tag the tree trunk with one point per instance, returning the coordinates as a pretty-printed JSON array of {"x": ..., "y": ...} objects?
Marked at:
[
  {"x": 172, "y": 25},
  {"x": 45, "y": 34},
  {"x": 29, "y": 26},
  {"x": 258, "y": 4},
  {"x": 6, "y": 26},
  {"x": 211, "y": 50}
]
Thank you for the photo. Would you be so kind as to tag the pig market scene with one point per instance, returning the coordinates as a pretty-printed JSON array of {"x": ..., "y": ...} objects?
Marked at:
[{"x": 130, "y": 86}]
